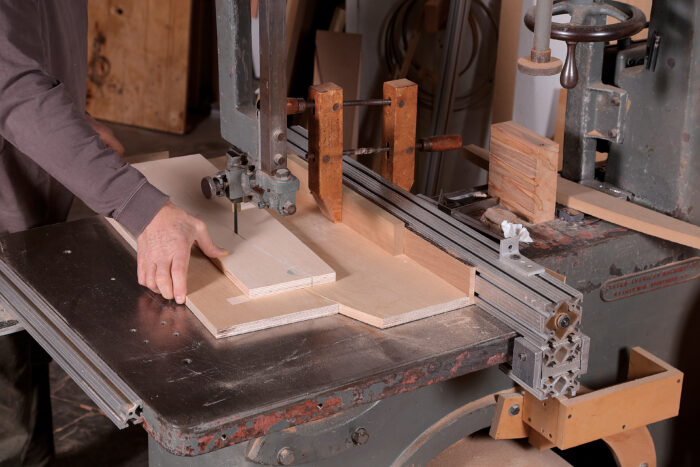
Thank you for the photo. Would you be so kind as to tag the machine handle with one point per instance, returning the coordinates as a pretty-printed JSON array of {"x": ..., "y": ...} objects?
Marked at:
[{"x": 632, "y": 20}]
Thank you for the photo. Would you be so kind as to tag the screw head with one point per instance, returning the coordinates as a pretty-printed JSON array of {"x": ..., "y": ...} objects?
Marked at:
[
  {"x": 614, "y": 133},
  {"x": 360, "y": 436},
  {"x": 285, "y": 456},
  {"x": 279, "y": 159},
  {"x": 564, "y": 321},
  {"x": 514, "y": 410},
  {"x": 615, "y": 101},
  {"x": 522, "y": 357}
]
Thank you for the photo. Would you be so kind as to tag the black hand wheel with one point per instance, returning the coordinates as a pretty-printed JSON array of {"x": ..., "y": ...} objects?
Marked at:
[{"x": 632, "y": 20}]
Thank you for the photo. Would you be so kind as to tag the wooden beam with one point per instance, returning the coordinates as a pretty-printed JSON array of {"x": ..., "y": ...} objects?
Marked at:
[
  {"x": 399, "y": 132},
  {"x": 326, "y": 149}
]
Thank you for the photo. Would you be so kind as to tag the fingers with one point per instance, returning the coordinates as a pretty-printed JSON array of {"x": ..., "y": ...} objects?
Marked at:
[
  {"x": 140, "y": 269},
  {"x": 206, "y": 244},
  {"x": 151, "y": 277},
  {"x": 179, "y": 274},
  {"x": 164, "y": 280}
]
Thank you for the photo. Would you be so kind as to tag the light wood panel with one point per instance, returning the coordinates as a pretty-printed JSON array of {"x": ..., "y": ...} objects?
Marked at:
[
  {"x": 138, "y": 57},
  {"x": 523, "y": 171},
  {"x": 372, "y": 285},
  {"x": 626, "y": 214},
  {"x": 226, "y": 311},
  {"x": 264, "y": 258}
]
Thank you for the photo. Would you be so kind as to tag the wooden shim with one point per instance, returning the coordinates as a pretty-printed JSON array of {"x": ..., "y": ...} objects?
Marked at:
[
  {"x": 399, "y": 132},
  {"x": 138, "y": 57},
  {"x": 326, "y": 149},
  {"x": 226, "y": 311},
  {"x": 626, "y": 214},
  {"x": 651, "y": 397},
  {"x": 264, "y": 258},
  {"x": 338, "y": 59},
  {"x": 372, "y": 285},
  {"x": 450, "y": 269},
  {"x": 523, "y": 171}
]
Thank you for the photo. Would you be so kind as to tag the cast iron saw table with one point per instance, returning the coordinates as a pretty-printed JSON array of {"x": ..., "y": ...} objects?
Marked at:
[{"x": 331, "y": 385}]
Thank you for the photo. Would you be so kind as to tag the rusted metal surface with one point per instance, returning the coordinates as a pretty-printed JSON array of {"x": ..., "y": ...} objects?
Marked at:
[
  {"x": 198, "y": 393},
  {"x": 217, "y": 434}
]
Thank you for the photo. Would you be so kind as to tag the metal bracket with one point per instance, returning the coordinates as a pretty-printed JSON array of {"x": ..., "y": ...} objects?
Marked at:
[
  {"x": 511, "y": 258},
  {"x": 607, "y": 112}
]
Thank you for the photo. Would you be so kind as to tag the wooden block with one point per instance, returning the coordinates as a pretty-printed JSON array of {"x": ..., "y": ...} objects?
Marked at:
[
  {"x": 138, "y": 54},
  {"x": 626, "y": 214},
  {"x": 399, "y": 132},
  {"x": 523, "y": 171},
  {"x": 450, "y": 269},
  {"x": 338, "y": 59},
  {"x": 226, "y": 311},
  {"x": 569, "y": 422},
  {"x": 509, "y": 424},
  {"x": 264, "y": 258},
  {"x": 372, "y": 285},
  {"x": 326, "y": 149}
]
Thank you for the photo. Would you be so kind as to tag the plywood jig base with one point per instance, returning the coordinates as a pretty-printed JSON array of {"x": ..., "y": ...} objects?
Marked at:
[{"x": 372, "y": 285}]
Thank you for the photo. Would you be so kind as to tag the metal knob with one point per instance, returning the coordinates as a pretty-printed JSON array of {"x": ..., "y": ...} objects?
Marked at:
[{"x": 213, "y": 186}]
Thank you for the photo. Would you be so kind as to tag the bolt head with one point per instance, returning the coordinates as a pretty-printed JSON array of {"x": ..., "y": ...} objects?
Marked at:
[
  {"x": 283, "y": 174},
  {"x": 614, "y": 133},
  {"x": 279, "y": 159},
  {"x": 563, "y": 321},
  {"x": 285, "y": 456},
  {"x": 514, "y": 410},
  {"x": 615, "y": 101},
  {"x": 289, "y": 208},
  {"x": 360, "y": 436}
]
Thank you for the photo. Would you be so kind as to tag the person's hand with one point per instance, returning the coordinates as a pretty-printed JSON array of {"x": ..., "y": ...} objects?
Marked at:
[
  {"x": 106, "y": 135},
  {"x": 164, "y": 251}
]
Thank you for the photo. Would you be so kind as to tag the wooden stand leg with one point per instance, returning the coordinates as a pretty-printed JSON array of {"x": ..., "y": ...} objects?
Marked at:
[
  {"x": 399, "y": 132},
  {"x": 326, "y": 149}
]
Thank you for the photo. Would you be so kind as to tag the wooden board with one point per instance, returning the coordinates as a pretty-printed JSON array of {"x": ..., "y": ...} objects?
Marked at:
[
  {"x": 626, "y": 214},
  {"x": 523, "y": 171},
  {"x": 264, "y": 258},
  {"x": 338, "y": 60},
  {"x": 226, "y": 311},
  {"x": 138, "y": 53},
  {"x": 372, "y": 285},
  {"x": 507, "y": 56}
]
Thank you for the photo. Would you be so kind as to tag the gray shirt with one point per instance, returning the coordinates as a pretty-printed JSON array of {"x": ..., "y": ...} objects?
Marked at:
[{"x": 47, "y": 148}]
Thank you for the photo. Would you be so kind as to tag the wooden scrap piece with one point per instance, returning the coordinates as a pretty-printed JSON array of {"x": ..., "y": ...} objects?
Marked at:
[
  {"x": 226, "y": 311},
  {"x": 264, "y": 258},
  {"x": 399, "y": 132},
  {"x": 138, "y": 54},
  {"x": 326, "y": 149},
  {"x": 626, "y": 214},
  {"x": 372, "y": 285},
  {"x": 523, "y": 171}
]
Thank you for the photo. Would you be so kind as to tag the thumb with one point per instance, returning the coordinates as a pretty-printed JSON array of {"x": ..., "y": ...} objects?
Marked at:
[{"x": 207, "y": 245}]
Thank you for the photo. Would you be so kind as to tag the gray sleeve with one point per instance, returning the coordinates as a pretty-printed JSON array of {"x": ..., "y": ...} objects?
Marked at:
[{"x": 38, "y": 117}]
